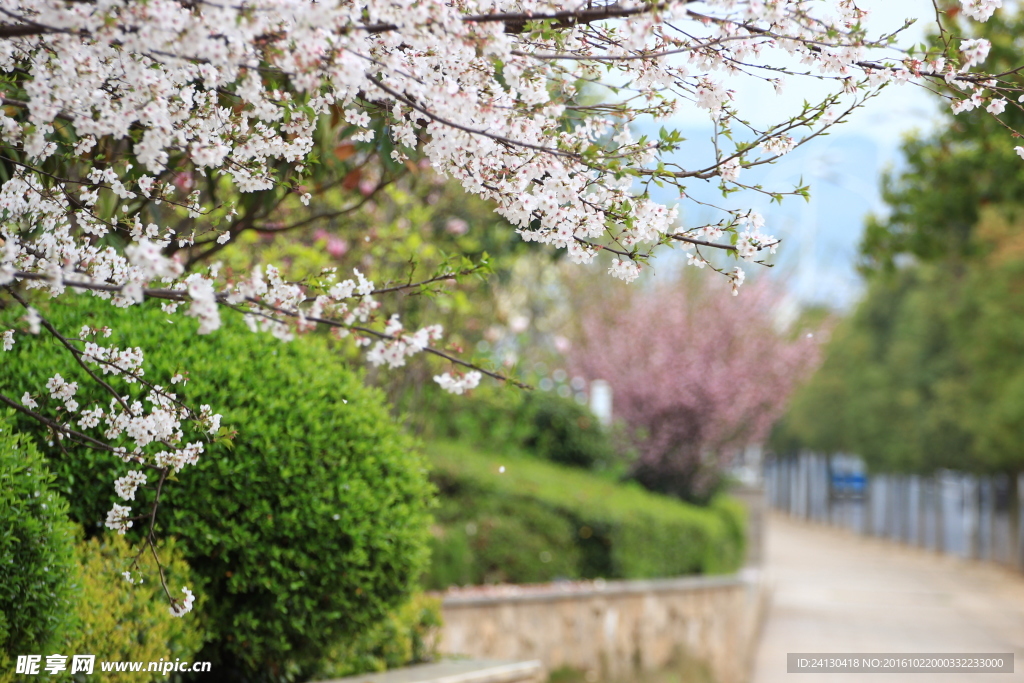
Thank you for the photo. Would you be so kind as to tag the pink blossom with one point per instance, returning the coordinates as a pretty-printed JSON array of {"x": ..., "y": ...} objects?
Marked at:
[
  {"x": 698, "y": 378},
  {"x": 456, "y": 226},
  {"x": 184, "y": 182},
  {"x": 336, "y": 246}
]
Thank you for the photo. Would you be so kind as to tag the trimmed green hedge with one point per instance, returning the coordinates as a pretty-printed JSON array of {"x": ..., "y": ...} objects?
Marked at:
[
  {"x": 507, "y": 418},
  {"x": 585, "y": 525},
  {"x": 307, "y": 530},
  {"x": 485, "y": 538}
]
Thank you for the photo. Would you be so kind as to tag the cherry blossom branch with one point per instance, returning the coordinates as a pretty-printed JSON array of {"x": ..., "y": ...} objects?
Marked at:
[
  {"x": 149, "y": 541},
  {"x": 450, "y": 275},
  {"x": 379, "y": 335},
  {"x": 75, "y": 353},
  {"x": 57, "y": 427},
  {"x": 704, "y": 243},
  {"x": 467, "y": 129},
  {"x": 224, "y": 299},
  {"x": 515, "y": 22}
]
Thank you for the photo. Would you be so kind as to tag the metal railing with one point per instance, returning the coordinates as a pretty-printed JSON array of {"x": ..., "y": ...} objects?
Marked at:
[{"x": 956, "y": 513}]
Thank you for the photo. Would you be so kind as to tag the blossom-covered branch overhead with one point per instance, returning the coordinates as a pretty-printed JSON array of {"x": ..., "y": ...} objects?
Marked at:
[{"x": 134, "y": 135}]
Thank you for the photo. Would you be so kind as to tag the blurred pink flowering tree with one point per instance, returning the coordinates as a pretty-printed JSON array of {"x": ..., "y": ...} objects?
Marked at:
[{"x": 694, "y": 381}]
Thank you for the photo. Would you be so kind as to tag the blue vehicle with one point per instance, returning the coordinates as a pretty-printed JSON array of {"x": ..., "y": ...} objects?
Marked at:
[{"x": 847, "y": 478}]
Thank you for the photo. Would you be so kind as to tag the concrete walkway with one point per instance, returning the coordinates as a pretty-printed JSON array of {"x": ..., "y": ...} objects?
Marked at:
[
  {"x": 455, "y": 671},
  {"x": 834, "y": 591}
]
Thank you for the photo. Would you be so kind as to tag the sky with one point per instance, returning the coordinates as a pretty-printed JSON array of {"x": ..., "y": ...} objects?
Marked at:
[{"x": 817, "y": 259}]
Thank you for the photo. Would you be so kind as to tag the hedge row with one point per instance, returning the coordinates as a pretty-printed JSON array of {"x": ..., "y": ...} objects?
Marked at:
[
  {"x": 506, "y": 418},
  {"x": 538, "y": 521}
]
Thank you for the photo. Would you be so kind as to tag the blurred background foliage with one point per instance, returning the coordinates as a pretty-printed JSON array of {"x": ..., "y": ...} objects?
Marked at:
[
  {"x": 926, "y": 373},
  {"x": 514, "y": 518},
  {"x": 948, "y": 178}
]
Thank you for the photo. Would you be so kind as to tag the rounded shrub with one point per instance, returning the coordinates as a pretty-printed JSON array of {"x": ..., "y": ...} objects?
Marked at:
[
  {"x": 37, "y": 562},
  {"x": 304, "y": 530}
]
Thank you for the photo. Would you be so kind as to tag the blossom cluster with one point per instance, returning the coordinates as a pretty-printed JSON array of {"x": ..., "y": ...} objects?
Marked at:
[
  {"x": 458, "y": 384},
  {"x": 152, "y": 437},
  {"x": 180, "y": 609},
  {"x": 234, "y": 89}
]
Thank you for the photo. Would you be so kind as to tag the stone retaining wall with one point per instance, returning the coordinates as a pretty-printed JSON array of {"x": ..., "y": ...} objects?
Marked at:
[{"x": 614, "y": 628}]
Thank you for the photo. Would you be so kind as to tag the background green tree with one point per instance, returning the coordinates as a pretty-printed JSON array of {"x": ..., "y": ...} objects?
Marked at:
[
  {"x": 948, "y": 177},
  {"x": 925, "y": 373}
]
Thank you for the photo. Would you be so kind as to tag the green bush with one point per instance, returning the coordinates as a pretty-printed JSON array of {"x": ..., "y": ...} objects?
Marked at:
[
  {"x": 734, "y": 516},
  {"x": 307, "y": 530},
  {"x": 37, "y": 562},
  {"x": 545, "y": 424},
  {"x": 124, "y": 622},
  {"x": 499, "y": 539},
  {"x": 597, "y": 527},
  {"x": 563, "y": 431},
  {"x": 115, "y": 620},
  {"x": 409, "y": 635}
]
